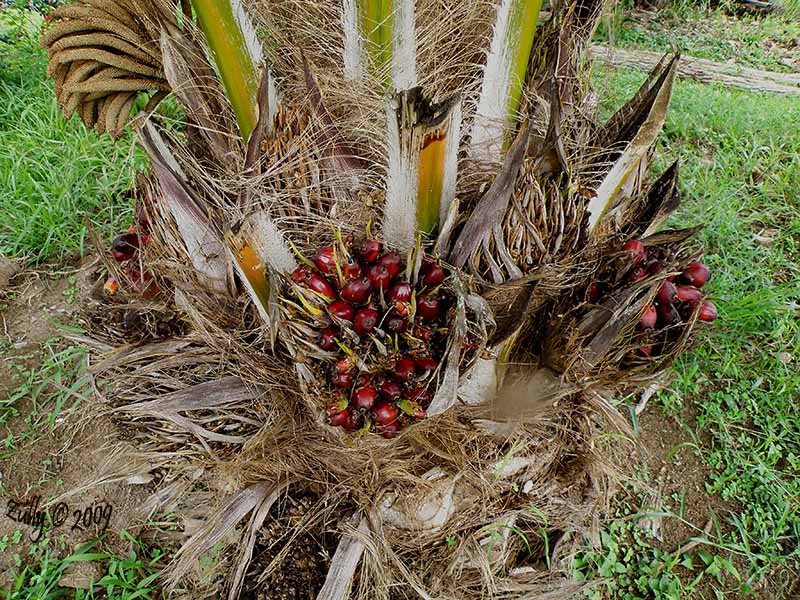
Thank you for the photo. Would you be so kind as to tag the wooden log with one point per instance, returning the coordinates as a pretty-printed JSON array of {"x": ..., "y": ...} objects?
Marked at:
[{"x": 703, "y": 70}]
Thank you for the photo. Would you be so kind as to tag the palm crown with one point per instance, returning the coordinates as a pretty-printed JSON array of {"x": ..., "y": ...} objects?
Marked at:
[{"x": 388, "y": 181}]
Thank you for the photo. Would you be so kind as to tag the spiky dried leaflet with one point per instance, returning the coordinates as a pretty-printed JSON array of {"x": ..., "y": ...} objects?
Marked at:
[{"x": 520, "y": 249}]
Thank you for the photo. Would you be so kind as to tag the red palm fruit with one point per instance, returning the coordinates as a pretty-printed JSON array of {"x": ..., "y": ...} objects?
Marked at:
[
  {"x": 124, "y": 246},
  {"x": 391, "y": 389},
  {"x": 649, "y": 318},
  {"x": 392, "y": 262},
  {"x": 345, "y": 365},
  {"x": 327, "y": 339},
  {"x": 111, "y": 286},
  {"x": 320, "y": 285},
  {"x": 300, "y": 274},
  {"x": 426, "y": 365},
  {"x": 341, "y": 309},
  {"x": 370, "y": 250},
  {"x": 395, "y": 324},
  {"x": 362, "y": 380},
  {"x": 365, "y": 321},
  {"x": 365, "y": 398},
  {"x": 667, "y": 315},
  {"x": 636, "y": 274},
  {"x": 428, "y": 307},
  {"x": 690, "y": 295},
  {"x": 343, "y": 380},
  {"x": 390, "y": 430},
  {"x": 385, "y": 413},
  {"x": 340, "y": 418},
  {"x": 325, "y": 260},
  {"x": 433, "y": 276},
  {"x": 357, "y": 290},
  {"x": 143, "y": 283},
  {"x": 420, "y": 395},
  {"x": 708, "y": 312},
  {"x": 351, "y": 269},
  {"x": 667, "y": 294},
  {"x": 400, "y": 292},
  {"x": 405, "y": 368},
  {"x": 353, "y": 421},
  {"x": 646, "y": 351},
  {"x": 144, "y": 239},
  {"x": 423, "y": 333},
  {"x": 697, "y": 274},
  {"x": 379, "y": 276},
  {"x": 592, "y": 292},
  {"x": 636, "y": 250},
  {"x": 655, "y": 267}
]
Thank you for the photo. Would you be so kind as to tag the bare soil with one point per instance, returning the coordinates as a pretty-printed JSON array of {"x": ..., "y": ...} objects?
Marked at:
[{"x": 43, "y": 465}]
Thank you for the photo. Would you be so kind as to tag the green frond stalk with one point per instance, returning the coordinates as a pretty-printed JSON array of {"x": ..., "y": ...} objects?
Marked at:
[
  {"x": 234, "y": 63},
  {"x": 431, "y": 179},
  {"x": 377, "y": 22},
  {"x": 524, "y": 18}
]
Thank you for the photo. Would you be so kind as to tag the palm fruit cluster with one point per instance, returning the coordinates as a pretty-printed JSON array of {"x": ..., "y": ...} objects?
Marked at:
[
  {"x": 125, "y": 250},
  {"x": 380, "y": 320},
  {"x": 677, "y": 299}
]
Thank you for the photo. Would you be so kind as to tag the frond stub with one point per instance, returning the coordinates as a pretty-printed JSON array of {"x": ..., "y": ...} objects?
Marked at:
[{"x": 423, "y": 163}]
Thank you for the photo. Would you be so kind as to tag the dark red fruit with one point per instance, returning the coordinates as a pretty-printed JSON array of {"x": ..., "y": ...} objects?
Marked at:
[
  {"x": 391, "y": 389},
  {"x": 353, "y": 421},
  {"x": 385, "y": 413},
  {"x": 365, "y": 321},
  {"x": 327, "y": 339},
  {"x": 646, "y": 351},
  {"x": 393, "y": 263},
  {"x": 433, "y": 276},
  {"x": 428, "y": 307},
  {"x": 301, "y": 274},
  {"x": 390, "y": 430},
  {"x": 690, "y": 295},
  {"x": 667, "y": 315},
  {"x": 319, "y": 284},
  {"x": 592, "y": 292},
  {"x": 649, "y": 318},
  {"x": 420, "y": 395},
  {"x": 423, "y": 333},
  {"x": 370, "y": 250},
  {"x": 351, "y": 269},
  {"x": 426, "y": 365},
  {"x": 365, "y": 398},
  {"x": 325, "y": 260},
  {"x": 344, "y": 365},
  {"x": 339, "y": 419},
  {"x": 124, "y": 246},
  {"x": 400, "y": 292},
  {"x": 667, "y": 294},
  {"x": 379, "y": 276},
  {"x": 636, "y": 249},
  {"x": 636, "y": 274},
  {"x": 343, "y": 380},
  {"x": 708, "y": 312},
  {"x": 395, "y": 324},
  {"x": 341, "y": 309},
  {"x": 405, "y": 368},
  {"x": 697, "y": 274},
  {"x": 357, "y": 290},
  {"x": 655, "y": 267}
]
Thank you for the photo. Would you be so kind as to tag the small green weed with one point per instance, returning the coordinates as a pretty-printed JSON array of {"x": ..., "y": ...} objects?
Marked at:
[{"x": 126, "y": 578}]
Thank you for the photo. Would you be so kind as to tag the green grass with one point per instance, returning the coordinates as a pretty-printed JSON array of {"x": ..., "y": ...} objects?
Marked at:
[
  {"x": 768, "y": 43},
  {"x": 55, "y": 176},
  {"x": 740, "y": 177},
  {"x": 131, "y": 577}
]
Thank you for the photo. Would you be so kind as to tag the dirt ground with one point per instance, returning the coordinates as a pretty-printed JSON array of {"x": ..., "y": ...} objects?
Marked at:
[{"x": 43, "y": 465}]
